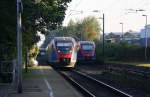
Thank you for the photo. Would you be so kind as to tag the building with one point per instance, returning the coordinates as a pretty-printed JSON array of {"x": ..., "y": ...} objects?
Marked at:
[
  {"x": 129, "y": 37},
  {"x": 113, "y": 37},
  {"x": 144, "y": 35},
  {"x": 132, "y": 38}
]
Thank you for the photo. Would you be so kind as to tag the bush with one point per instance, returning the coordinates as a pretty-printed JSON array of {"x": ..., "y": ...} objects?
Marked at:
[
  {"x": 121, "y": 52},
  {"x": 99, "y": 55},
  {"x": 32, "y": 56}
]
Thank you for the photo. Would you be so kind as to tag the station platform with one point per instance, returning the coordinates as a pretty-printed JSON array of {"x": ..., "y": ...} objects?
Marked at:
[{"x": 43, "y": 81}]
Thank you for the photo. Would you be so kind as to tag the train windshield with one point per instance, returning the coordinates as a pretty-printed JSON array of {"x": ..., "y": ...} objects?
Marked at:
[
  {"x": 87, "y": 47},
  {"x": 64, "y": 46}
]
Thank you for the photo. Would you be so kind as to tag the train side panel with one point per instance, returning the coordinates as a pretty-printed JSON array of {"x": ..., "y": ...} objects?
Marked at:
[{"x": 51, "y": 53}]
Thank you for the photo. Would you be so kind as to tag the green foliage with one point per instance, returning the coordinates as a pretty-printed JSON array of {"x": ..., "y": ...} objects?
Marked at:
[
  {"x": 49, "y": 13},
  {"x": 8, "y": 29},
  {"x": 125, "y": 52},
  {"x": 91, "y": 28},
  {"x": 99, "y": 55},
  {"x": 86, "y": 29},
  {"x": 121, "y": 52},
  {"x": 41, "y": 14},
  {"x": 33, "y": 51},
  {"x": 7, "y": 37}
]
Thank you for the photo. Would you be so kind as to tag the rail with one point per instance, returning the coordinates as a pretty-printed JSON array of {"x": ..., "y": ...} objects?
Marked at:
[
  {"x": 83, "y": 90},
  {"x": 104, "y": 84},
  {"x": 91, "y": 87}
]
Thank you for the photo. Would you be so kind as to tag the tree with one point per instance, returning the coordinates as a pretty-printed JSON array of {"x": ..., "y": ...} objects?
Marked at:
[
  {"x": 51, "y": 12},
  {"x": 8, "y": 29},
  {"x": 91, "y": 28},
  {"x": 86, "y": 29},
  {"x": 41, "y": 14},
  {"x": 37, "y": 14}
]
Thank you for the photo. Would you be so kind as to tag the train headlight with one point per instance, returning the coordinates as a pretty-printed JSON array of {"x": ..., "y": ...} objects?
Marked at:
[
  {"x": 70, "y": 51},
  {"x": 58, "y": 51}
]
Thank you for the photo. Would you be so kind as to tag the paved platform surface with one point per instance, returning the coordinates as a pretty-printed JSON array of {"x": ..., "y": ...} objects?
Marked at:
[
  {"x": 3, "y": 90},
  {"x": 43, "y": 81}
]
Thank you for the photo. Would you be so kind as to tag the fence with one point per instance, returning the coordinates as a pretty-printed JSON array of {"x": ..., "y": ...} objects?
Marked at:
[{"x": 8, "y": 72}]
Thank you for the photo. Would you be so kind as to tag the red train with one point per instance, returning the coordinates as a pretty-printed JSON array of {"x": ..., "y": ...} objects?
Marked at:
[
  {"x": 62, "y": 52},
  {"x": 86, "y": 51}
]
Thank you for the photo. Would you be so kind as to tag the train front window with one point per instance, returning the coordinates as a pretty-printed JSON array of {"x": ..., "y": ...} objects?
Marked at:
[
  {"x": 87, "y": 47},
  {"x": 64, "y": 47},
  {"x": 64, "y": 44}
]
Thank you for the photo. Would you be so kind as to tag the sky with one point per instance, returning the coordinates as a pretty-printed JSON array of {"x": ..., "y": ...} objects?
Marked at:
[{"x": 116, "y": 12}]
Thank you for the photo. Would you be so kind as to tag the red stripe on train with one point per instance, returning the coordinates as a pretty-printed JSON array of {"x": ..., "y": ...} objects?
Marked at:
[{"x": 64, "y": 55}]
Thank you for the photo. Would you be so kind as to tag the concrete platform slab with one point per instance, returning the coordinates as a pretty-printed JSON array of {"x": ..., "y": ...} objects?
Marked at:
[{"x": 43, "y": 81}]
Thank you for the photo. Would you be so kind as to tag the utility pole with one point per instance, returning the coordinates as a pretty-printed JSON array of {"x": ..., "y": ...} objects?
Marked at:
[
  {"x": 19, "y": 46},
  {"x": 103, "y": 18},
  {"x": 103, "y": 36},
  {"x": 145, "y": 52}
]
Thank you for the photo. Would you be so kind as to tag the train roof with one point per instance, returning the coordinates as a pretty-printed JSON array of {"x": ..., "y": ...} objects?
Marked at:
[
  {"x": 86, "y": 42},
  {"x": 63, "y": 38}
]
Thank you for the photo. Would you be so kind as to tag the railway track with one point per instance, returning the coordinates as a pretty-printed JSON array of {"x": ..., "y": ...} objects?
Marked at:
[
  {"x": 91, "y": 87},
  {"x": 135, "y": 70},
  {"x": 141, "y": 71}
]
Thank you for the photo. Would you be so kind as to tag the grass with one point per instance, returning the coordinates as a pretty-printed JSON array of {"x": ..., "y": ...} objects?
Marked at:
[
  {"x": 34, "y": 75},
  {"x": 143, "y": 64},
  {"x": 131, "y": 81},
  {"x": 31, "y": 72}
]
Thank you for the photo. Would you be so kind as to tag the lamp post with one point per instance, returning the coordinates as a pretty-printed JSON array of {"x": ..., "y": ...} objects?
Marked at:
[
  {"x": 145, "y": 53},
  {"x": 103, "y": 35},
  {"x": 103, "y": 18},
  {"x": 122, "y": 31},
  {"x": 19, "y": 46}
]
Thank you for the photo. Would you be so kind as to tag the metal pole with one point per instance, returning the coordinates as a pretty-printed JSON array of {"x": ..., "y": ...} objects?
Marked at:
[
  {"x": 122, "y": 30},
  {"x": 103, "y": 36},
  {"x": 146, "y": 39},
  {"x": 145, "y": 51},
  {"x": 19, "y": 47}
]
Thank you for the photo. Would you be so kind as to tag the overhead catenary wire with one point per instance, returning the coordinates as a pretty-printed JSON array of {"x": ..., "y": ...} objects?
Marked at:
[{"x": 74, "y": 8}]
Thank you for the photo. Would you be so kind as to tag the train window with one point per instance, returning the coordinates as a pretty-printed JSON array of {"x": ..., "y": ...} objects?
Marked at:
[
  {"x": 64, "y": 44},
  {"x": 64, "y": 47},
  {"x": 87, "y": 47},
  {"x": 61, "y": 48}
]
